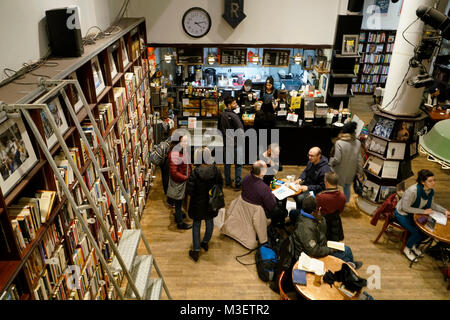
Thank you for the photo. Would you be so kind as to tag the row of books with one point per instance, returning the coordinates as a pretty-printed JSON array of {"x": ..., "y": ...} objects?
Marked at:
[
  {"x": 389, "y": 47},
  {"x": 106, "y": 116},
  {"x": 376, "y": 37},
  {"x": 371, "y": 48},
  {"x": 375, "y": 69},
  {"x": 375, "y": 58},
  {"x": 363, "y": 88},
  {"x": 372, "y": 79},
  {"x": 11, "y": 293},
  {"x": 28, "y": 215}
]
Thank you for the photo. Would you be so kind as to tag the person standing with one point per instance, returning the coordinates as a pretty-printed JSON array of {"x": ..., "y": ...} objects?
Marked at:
[
  {"x": 246, "y": 96},
  {"x": 180, "y": 169},
  {"x": 204, "y": 176},
  {"x": 346, "y": 160},
  {"x": 229, "y": 122},
  {"x": 418, "y": 198}
]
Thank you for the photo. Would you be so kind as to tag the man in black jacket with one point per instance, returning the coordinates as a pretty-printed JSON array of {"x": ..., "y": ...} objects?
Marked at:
[
  {"x": 312, "y": 178},
  {"x": 230, "y": 120}
]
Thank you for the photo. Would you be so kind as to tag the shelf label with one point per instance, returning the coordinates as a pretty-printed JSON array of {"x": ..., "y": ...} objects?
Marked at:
[{"x": 185, "y": 101}]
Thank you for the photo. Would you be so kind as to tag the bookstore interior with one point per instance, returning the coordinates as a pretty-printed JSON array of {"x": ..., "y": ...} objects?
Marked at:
[{"x": 79, "y": 130}]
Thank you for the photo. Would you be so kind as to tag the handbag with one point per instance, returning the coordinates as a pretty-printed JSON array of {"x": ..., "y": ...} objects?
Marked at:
[
  {"x": 216, "y": 197},
  {"x": 177, "y": 190},
  {"x": 357, "y": 186}
]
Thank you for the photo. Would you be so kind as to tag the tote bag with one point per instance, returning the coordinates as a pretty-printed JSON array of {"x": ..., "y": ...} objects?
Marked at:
[{"x": 177, "y": 190}]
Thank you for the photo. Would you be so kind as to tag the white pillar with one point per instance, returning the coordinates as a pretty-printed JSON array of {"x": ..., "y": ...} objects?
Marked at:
[{"x": 408, "y": 99}]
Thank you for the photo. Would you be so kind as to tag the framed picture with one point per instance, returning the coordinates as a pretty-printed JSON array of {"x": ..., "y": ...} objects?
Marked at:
[
  {"x": 112, "y": 64},
  {"x": 58, "y": 115},
  {"x": 17, "y": 155},
  {"x": 370, "y": 190},
  {"x": 99, "y": 82},
  {"x": 396, "y": 150},
  {"x": 404, "y": 131},
  {"x": 323, "y": 85},
  {"x": 390, "y": 169},
  {"x": 377, "y": 145},
  {"x": 73, "y": 94},
  {"x": 125, "y": 59},
  {"x": 374, "y": 165},
  {"x": 350, "y": 44}
]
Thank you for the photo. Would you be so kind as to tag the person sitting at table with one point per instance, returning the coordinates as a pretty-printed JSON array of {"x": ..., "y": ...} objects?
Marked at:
[
  {"x": 271, "y": 158},
  {"x": 255, "y": 191},
  {"x": 418, "y": 198},
  {"x": 331, "y": 201},
  {"x": 309, "y": 235},
  {"x": 312, "y": 178}
]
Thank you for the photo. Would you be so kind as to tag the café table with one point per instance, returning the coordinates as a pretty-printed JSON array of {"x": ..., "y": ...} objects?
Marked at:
[{"x": 323, "y": 292}]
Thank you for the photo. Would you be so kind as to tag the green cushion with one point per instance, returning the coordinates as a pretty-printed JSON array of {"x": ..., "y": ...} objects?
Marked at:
[{"x": 437, "y": 141}]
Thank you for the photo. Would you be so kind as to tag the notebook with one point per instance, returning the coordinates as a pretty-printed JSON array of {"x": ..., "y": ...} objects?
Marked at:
[{"x": 300, "y": 277}]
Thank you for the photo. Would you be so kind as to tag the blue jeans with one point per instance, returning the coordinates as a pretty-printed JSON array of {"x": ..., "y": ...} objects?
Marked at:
[
  {"x": 407, "y": 222},
  {"x": 346, "y": 255},
  {"x": 196, "y": 233},
  {"x": 347, "y": 192},
  {"x": 237, "y": 174},
  {"x": 178, "y": 211}
]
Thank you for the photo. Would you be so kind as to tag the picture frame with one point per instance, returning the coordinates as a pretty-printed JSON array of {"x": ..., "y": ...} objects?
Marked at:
[
  {"x": 370, "y": 190},
  {"x": 377, "y": 145},
  {"x": 17, "y": 156},
  {"x": 99, "y": 81},
  {"x": 112, "y": 64},
  {"x": 404, "y": 131},
  {"x": 384, "y": 128},
  {"x": 374, "y": 165},
  {"x": 350, "y": 44},
  {"x": 396, "y": 150},
  {"x": 390, "y": 169},
  {"x": 73, "y": 94},
  {"x": 56, "y": 109},
  {"x": 125, "y": 58}
]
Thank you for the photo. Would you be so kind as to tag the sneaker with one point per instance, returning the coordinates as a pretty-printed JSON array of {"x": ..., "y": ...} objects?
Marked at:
[
  {"x": 358, "y": 264},
  {"x": 409, "y": 254},
  {"x": 204, "y": 245},
  {"x": 417, "y": 251},
  {"x": 194, "y": 255},
  {"x": 184, "y": 226}
]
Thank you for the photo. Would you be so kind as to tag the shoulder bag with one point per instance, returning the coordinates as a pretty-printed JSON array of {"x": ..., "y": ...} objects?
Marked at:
[{"x": 177, "y": 190}]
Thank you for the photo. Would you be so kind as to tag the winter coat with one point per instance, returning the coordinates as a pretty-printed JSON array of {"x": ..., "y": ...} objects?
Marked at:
[
  {"x": 313, "y": 175},
  {"x": 229, "y": 120},
  {"x": 177, "y": 166},
  {"x": 309, "y": 236},
  {"x": 200, "y": 182},
  {"x": 246, "y": 223},
  {"x": 346, "y": 160}
]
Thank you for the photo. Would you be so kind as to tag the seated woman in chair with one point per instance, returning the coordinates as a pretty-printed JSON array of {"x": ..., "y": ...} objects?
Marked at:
[{"x": 417, "y": 199}]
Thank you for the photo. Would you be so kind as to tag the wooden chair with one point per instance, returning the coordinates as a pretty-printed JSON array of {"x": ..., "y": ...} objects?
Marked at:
[
  {"x": 282, "y": 284},
  {"x": 390, "y": 222}
]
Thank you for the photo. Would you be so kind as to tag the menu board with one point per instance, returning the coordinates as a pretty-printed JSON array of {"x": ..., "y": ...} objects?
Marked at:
[
  {"x": 237, "y": 57},
  {"x": 278, "y": 58},
  {"x": 189, "y": 55}
]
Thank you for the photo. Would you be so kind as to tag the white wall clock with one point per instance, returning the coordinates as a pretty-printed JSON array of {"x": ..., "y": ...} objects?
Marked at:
[{"x": 196, "y": 22}]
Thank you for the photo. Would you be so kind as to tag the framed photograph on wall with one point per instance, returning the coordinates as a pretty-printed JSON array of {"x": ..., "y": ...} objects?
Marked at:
[
  {"x": 396, "y": 150},
  {"x": 58, "y": 115},
  {"x": 99, "y": 82},
  {"x": 350, "y": 44},
  {"x": 73, "y": 94},
  {"x": 17, "y": 155}
]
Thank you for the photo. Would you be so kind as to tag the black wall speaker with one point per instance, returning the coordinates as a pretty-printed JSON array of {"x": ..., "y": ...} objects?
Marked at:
[
  {"x": 64, "y": 32},
  {"x": 355, "y": 5}
]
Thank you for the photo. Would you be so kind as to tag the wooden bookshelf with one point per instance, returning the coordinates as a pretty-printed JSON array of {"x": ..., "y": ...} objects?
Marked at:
[
  {"x": 375, "y": 49},
  {"x": 124, "y": 117}
]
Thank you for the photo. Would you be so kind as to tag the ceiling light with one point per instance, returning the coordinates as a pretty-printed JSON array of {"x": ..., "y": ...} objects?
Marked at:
[{"x": 167, "y": 57}]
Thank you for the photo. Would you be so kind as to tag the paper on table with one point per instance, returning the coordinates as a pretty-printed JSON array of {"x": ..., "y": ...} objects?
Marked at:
[
  {"x": 336, "y": 245},
  {"x": 283, "y": 192},
  {"x": 439, "y": 217},
  {"x": 309, "y": 264},
  {"x": 290, "y": 205}
]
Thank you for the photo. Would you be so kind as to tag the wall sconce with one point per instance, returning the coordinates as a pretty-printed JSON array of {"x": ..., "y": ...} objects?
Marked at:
[
  {"x": 255, "y": 58},
  {"x": 167, "y": 57},
  {"x": 298, "y": 58},
  {"x": 211, "y": 58}
]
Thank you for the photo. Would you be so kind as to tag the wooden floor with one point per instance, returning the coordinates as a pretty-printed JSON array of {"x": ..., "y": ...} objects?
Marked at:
[{"x": 218, "y": 276}]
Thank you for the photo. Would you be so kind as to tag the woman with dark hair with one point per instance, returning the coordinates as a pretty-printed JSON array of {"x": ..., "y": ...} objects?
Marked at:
[
  {"x": 180, "y": 169},
  {"x": 204, "y": 176},
  {"x": 418, "y": 198},
  {"x": 346, "y": 159},
  {"x": 269, "y": 94}
]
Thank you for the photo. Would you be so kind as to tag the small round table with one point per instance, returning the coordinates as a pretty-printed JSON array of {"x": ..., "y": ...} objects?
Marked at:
[
  {"x": 285, "y": 181},
  {"x": 323, "y": 292}
]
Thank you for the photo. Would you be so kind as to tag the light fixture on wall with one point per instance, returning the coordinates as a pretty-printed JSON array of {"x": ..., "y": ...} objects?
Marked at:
[
  {"x": 256, "y": 58},
  {"x": 211, "y": 58},
  {"x": 167, "y": 57},
  {"x": 298, "y": 58}
]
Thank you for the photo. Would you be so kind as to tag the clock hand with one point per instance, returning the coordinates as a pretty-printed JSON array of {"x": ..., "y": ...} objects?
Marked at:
[{"x": 198, "y": 23}]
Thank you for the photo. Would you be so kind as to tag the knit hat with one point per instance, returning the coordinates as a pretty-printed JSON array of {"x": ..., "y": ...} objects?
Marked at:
[
  {"x": 309, "y": 204},
  {"x": 349, "y": 127}
]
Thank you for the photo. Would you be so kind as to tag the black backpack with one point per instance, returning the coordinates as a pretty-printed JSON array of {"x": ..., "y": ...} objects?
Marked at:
[{"x": 160, "y": 153}]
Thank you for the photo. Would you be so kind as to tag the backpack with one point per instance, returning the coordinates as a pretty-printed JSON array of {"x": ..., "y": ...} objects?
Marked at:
[
  {"x": 266, "y": 262},
  {"x": 159, "y": 153},
  {"x": 216, "y": 197}
]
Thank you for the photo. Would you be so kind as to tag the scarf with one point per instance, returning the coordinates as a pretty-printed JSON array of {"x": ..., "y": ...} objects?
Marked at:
[{"x": 421, "y": 194}]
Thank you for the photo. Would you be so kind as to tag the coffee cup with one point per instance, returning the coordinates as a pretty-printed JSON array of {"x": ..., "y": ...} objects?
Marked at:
[{"x": 318, "y": 278}]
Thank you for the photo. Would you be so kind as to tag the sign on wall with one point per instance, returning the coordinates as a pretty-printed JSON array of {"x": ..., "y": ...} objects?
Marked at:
[{"x": 234, "y": 12}]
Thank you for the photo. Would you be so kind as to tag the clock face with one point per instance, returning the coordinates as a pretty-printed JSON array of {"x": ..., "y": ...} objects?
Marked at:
[{"x": 196, "y": 22}]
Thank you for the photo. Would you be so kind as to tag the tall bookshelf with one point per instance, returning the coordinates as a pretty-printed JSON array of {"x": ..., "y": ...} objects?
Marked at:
[
  {"x": 375, "y": 48},
  {"x": 36, "y": 260}
]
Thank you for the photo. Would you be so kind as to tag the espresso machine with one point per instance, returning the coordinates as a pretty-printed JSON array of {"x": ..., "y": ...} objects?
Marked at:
[{"x": 209, "y": 75}]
